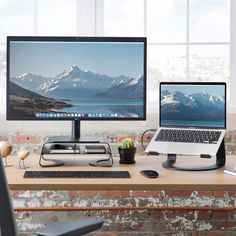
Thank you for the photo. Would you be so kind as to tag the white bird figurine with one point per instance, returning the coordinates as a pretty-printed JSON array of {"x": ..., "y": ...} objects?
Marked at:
[{"x": 22, "y": 155}]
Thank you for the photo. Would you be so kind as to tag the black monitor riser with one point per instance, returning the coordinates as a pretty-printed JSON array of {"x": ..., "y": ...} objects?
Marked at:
[
  {"x": 220, "y": 161},
  {"x": 75, "y": 138},
  {"x": 51, "y": 162}
]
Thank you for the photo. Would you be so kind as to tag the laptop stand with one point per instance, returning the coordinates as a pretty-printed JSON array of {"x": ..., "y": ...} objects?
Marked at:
[{"x": 220, "y": 161}]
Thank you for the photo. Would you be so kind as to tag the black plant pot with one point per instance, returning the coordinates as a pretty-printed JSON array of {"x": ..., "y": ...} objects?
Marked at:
[{"x": 127, "y": 155}]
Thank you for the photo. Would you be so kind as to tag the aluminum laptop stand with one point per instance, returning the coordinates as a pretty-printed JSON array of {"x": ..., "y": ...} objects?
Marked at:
[{"x": 220, "y": 161}]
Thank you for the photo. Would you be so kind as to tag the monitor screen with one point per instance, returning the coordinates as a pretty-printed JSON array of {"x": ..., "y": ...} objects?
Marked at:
[
  {"x": 193, "y": 105},
  {"x": 68, "y": 78}
]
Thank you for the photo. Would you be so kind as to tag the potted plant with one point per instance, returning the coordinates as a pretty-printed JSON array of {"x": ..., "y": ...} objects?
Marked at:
[{"x": 127, "y": 151}]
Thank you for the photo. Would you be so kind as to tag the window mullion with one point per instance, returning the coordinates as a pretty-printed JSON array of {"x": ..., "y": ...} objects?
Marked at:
[
  {"x": 99, "y": 17},
  {"x": 187, "y": 41},
  {"x": 232, "y": 54},
  {"x": 36, "y": 17},
  {"x": 86, "y": 17},
  {"x": 145, "y": 18}
]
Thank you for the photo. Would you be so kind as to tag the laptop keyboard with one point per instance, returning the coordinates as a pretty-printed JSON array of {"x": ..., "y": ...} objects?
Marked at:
[{"x": 188, "y": 136}]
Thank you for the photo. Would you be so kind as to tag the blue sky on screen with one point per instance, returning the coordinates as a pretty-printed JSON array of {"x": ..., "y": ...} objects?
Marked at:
[
  {"x": 215, "y": 90},
  {"x": 48, "y": 59}
]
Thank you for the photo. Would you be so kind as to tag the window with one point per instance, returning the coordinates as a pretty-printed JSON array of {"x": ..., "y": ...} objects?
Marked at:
[
  {"x": 187, "y": 39},
  {"x": 41, "y": 17},
  {"x": 13, "y": 22},
  {"x": 56, "y": 17},
  {"x": 123, "y": 17}
]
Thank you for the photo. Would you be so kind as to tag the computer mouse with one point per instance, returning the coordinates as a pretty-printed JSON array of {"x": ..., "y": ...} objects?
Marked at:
[{"x": 149, "y": 173}]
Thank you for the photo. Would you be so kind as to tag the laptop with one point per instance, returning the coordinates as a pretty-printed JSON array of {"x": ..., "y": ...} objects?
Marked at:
[{"x": 192, "y": 119}]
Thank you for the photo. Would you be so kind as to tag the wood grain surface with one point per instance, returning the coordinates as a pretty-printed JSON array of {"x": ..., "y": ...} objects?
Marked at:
[{"x": 167, "y": 180}]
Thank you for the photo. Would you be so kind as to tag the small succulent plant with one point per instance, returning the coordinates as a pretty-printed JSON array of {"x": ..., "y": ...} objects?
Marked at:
[
  {"x": 128, "y": 143},
  {"x": 127, "y": 151}
]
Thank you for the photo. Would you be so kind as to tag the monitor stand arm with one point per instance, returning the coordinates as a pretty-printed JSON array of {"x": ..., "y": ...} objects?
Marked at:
[
  {"x": 75, "y": 130},
  {"x": 75, "y": 136},
  {"x": 220, "y": 161}
]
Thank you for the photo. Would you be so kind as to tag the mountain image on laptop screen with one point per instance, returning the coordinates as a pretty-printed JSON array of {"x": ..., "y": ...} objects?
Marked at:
[
  {"x": 76, "y": 78},
  {"x": 193, "y": 105}
]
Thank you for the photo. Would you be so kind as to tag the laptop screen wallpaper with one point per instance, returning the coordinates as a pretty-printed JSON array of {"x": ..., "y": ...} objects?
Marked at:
[{"x": 192, "y": 105}]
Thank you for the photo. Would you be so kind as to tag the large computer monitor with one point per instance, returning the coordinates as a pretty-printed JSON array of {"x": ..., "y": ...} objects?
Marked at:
[{"x": 76, "y": 78}]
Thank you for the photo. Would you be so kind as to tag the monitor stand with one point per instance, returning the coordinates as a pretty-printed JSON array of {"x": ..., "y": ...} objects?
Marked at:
[
  {"x": 75, "y": 136},
  {"x": 220, "y": 161}
]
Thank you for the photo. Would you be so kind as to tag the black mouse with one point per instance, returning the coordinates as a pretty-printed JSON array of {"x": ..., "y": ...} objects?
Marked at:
[{"x": 149, "y": 173}]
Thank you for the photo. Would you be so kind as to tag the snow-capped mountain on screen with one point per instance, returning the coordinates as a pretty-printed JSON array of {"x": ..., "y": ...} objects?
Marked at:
[
  {"x": 177, "y": 98},
  {"x": 175, "y": 105},
  {"x": 132, "y": 88},
  {"x": 30, "y": 81},
  {"x": 74, "y": 82}
]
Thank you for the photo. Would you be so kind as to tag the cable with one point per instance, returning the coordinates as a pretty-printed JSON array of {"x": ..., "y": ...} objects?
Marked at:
[{"x": 148, "y": 130}]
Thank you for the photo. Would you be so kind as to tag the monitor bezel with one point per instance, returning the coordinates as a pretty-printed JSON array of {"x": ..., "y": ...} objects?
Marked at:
[
  {"x": 77, "y": 39},
  {"x": 193, "y": 83}
]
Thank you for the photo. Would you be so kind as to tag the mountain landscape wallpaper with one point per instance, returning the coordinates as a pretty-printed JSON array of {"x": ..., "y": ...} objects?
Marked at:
[
  {"x": 73, "y": 89},
  {"x": 199, "y": 105}
]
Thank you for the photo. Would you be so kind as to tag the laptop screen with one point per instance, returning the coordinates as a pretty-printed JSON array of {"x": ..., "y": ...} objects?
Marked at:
[{"x": 193, "y": 105}]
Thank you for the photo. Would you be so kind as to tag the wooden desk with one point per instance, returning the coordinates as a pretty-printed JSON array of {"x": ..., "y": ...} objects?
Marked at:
[{"x": 168, "y": 179}]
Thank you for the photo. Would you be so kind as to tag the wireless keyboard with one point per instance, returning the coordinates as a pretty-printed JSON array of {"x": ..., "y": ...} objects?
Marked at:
[{"x": 76, "y": 174}]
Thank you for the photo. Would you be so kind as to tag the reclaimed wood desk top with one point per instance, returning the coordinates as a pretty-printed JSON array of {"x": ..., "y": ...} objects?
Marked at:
[{"x": 167, "y": 180}]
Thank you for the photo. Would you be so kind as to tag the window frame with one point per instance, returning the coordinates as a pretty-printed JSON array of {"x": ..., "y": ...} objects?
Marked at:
[
  {"x": 188, "y": 44},
  {"x": 90, "y": 22}
]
